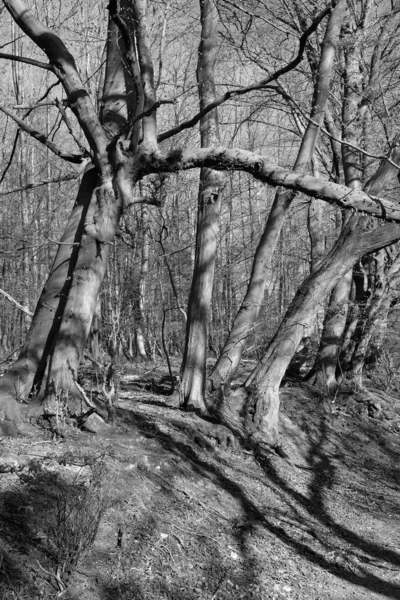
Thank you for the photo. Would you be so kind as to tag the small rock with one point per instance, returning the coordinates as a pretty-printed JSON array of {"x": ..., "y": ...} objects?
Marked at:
[{"x": 95, "y": 424}]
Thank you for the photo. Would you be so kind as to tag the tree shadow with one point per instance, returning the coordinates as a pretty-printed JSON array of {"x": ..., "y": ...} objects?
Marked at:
[{"x": 298, "y": 510}]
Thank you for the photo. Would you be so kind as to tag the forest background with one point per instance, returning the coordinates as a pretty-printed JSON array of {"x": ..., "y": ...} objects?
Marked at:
[{"x": 303, "y": 85}]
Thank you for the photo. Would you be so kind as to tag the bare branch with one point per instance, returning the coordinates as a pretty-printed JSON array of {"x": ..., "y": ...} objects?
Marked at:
[
  {"x": 251, "y": 88},
  {"x": 13, "y": 301},
  {"x": 63, "y": 65},
  {"x": 40, "y": 137},
  {"x": 31, "y": 185},
  {"x": 334, "y": 138},
  {"x": 146, "y": 70},
  {"x": 235, "y": 159},
  {"x": 69, "y": 127},
  {"x": 28, "y": 61}
]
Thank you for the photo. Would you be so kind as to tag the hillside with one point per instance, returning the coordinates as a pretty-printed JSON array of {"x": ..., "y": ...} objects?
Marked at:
[{"x": 183, "y": 518}]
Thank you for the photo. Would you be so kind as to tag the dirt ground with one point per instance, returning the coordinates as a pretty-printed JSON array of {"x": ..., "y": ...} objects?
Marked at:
[{"x": 180, "y": 517}]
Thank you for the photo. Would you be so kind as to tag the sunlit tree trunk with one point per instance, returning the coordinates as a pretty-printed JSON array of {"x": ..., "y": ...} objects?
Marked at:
[
  {"x": 263, "y": 384},
  {"x": 231, "y": 354},
  {"x": 140, "y": 302},
  {"x": 326, "y": 366},
  {"x": 61, "y": 323},
  {"x": 193, "y": 377}
]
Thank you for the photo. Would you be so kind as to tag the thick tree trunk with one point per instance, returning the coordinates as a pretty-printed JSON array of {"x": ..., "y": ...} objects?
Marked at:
[
  {"x": 73, "y": 323},
  {"x": 262, "y": 385},
  {"x": 230, "y": 357},
  {"x": 193, "y": 375},
  {"x": 324, "y": 371},
  {"x": 384, "y": 281},
  {"x": 62, "y": 320},
  {"x": 26, "y": 374}
]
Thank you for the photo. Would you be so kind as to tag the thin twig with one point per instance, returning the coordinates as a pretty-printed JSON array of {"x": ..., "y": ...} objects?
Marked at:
[
  {"x": 22, "y": 308},
  {"x": 251, "y": 88},
  {"x": 32, "y": 185},
  {"x": 40, "y": 137}
]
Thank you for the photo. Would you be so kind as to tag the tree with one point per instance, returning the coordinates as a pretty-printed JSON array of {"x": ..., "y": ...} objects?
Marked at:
[{"x": 125, "y": 147}]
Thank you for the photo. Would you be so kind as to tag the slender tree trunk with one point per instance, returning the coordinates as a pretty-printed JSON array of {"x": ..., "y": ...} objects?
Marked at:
[
  {"x": 193, "y": 376},
  {"x": 231, "y": 354},
  {"x": 325, "y": 369},
  {"x": 144, "y": 268}
]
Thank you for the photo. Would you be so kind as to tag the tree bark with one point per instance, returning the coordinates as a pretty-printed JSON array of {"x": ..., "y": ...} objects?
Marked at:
[
  {"x": 62, "y": 319},
  {"x": 193, "y": 372},
  {"x": 26, "y": 374},
  {"x": 262, "y": 386},
  {"x": 325, "y": 370},
  {"x": 140, "y": 301},
  {"x": 230, "y": 357}
]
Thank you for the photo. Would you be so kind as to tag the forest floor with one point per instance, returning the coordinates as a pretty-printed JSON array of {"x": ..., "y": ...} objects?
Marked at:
[{"x": 183, "y": 518}]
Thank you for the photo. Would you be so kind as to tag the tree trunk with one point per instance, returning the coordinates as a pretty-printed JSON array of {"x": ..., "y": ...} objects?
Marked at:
[
  {"x": 325, "y": 370},
  {"x": 231, "y": 354},
  {"x": 385, "y": 280},
  {"x": 63, "y": 316},
  {"x": 144, "y": 269},
  {"x": 193, "y": 372},
  {"x": 262, "y": 385},
  {"x": 26, "y": 374}
]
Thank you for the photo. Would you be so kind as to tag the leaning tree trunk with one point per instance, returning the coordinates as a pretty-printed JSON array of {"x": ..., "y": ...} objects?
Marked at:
[
  {"x": 26, "y": 374},
  {"x": 193, "y": 372},
  {"x": 365, "y": 322},
  {"x": 64, "y": 313},
  {"x": 263, "y": 384},
  {"x": 231, "y": 354}
]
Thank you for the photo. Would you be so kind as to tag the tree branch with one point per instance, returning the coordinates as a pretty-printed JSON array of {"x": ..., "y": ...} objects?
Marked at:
[
  {"x": 146, "y": 71},
  {"x": 24, "y": 309},
  {"x": 255, "y": 86},
  {"x": 31, "y": 185},
  {"x": 28, "y": 61},
  {"x": 40, "y": 137},
  {"x": 330, "y": 135},
  {"x": 63, "y": 65},
  {"x": 234, "y": 159}
]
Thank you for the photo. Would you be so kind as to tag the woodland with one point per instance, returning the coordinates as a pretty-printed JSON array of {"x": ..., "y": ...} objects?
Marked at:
[{"x": 199, "y": 202}]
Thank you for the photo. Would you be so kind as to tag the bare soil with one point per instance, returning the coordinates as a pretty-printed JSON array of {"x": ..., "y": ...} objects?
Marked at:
[{"x": 183, "y": 517}]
